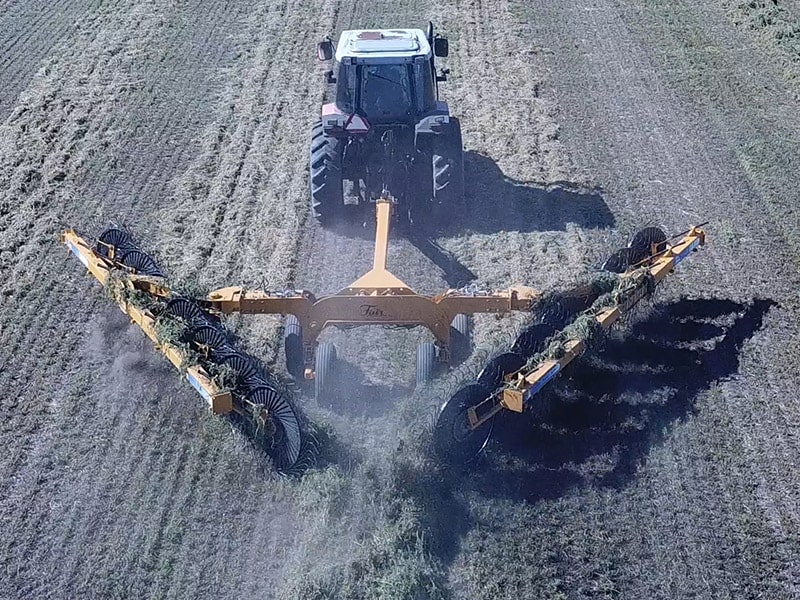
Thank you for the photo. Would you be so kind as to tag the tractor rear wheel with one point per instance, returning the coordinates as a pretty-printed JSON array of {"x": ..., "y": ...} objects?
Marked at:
[
  {"x": 448, "y": 168},
  {"x": 326, "y": 175}
]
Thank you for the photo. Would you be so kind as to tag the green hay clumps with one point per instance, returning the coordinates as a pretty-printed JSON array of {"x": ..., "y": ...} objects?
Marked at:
[
  {"x": 585, "y": 328},
  {"x": 190, "y": 287},
  {"x": 222, "y": 375},
  {"x": 119, "y": 288},
  {"x": 170, "y": 330}
]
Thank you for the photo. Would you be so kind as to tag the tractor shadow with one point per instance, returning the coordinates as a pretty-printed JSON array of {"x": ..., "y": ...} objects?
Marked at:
[
  {"x": 598, "y": 423},
  {"x": 496, "y": 203},
  {"x": 493, "y": 203}
]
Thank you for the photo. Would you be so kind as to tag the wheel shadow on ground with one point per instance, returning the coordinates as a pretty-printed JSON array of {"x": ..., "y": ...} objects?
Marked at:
[
  {"x": 493, "y": 203},
  {"x": 598, "y": 423},
  {"x": 352, "y": 396}
]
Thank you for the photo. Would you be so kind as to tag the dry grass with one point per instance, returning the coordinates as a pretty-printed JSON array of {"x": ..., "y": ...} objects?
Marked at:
[{"x": 666, "y": 467}]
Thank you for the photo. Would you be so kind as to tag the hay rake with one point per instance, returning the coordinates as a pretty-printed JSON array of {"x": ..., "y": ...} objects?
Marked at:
[
  {"x": 190, "y": 333},
  {"x": 511, "y": 380}
]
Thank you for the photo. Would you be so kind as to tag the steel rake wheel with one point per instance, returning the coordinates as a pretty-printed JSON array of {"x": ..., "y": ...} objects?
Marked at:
[
  {"x": 142, "y": 263},
  {"x": 644, "y": 239},
  {"x": 246, "y": 368},
  {"x": 623, "y": 259},
  {"x": 453, "y": 440},
  {"x": 212, "y": 337},
  {"x": 280, "y": 430},
  {"x": 114, "y": 237},
  {"x": 492, "y": 375},
  {"x": 185, "y": 309},
  {"x": 532, "y": 339}
]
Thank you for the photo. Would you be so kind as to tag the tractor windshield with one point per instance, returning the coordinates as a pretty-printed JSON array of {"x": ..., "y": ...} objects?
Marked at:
[{"x": 385, "y": 93}]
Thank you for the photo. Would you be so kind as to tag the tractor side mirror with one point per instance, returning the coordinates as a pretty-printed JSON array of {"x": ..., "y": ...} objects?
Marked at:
[
  {"x": 325, "y": 50},
  {"x": 441, "y": 47},
  {"x": 443, "y": 75},
  {"x": 329, "y": 78}
]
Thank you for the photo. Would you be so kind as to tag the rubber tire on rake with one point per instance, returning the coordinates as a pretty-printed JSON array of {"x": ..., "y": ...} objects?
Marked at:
[
  {"x": 119, "y": 239},
  {"x": 426, "y": 362},
  {"x": 293, "y": 347},
  {"x": 324, "y": 370},
  {"x": 453, "y": 441},
  {"x": 142, "y": 263},
  {"x": 285, "y": 444},
  {"x": 493, "y": 373},
  {"x": 460, "y": 342}
]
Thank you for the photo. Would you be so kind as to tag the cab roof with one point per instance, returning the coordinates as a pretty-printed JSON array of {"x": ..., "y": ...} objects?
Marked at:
[{"x": 382, "y": 44}]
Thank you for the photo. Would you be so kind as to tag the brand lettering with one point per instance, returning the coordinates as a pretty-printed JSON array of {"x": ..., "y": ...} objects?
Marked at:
[{"x": 370, "y": 310}]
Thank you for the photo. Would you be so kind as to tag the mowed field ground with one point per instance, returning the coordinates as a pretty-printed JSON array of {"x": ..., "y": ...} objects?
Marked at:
[{"x": 668, "y": 467}]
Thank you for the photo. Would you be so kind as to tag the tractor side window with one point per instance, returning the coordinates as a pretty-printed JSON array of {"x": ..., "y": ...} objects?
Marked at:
[
  {"x": 346, "y": 88},
  {"x": 426, "y": 92},
  {"x": 386, "y": 92}
]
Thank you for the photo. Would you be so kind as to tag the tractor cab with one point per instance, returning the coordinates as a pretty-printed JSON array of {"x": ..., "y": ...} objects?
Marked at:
[
  {"x": 385, "y": 132},
  {"x": 387, "y": 77}
]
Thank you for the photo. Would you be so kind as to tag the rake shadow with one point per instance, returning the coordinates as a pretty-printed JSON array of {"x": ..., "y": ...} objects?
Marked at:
[{"x": 597, "y": 424}]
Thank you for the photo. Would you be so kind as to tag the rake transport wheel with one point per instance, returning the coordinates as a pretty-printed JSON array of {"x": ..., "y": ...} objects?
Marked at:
[
  {"x": 142, "y": 263},
  {"x": 326, "y": 175},
  {"x": 293, "y": 345},
  {"x": 453, "y": 440},
  {"x": 426, "y": 362},
  {"x": 460, "y": 342},
  {"x": 492, "y": 375},
  {"x": 275, "y": 425},
  {"x": 115, "y": 238},
  {"x": 324, "y": 370}
]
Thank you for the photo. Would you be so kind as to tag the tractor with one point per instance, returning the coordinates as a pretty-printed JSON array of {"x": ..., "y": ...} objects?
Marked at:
[{"x": 386, "y": 130}]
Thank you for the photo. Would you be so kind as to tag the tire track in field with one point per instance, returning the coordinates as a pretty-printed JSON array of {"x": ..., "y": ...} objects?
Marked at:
[
  {"x": 44, "y": 146},
  {"x": 74, "y": 298},
  {"x": 29, "y": 31},
  {"x": 661, "y": 154}
]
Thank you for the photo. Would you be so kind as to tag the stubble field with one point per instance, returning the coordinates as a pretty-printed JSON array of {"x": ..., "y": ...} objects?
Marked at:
[{"x": 668, "y": 467}]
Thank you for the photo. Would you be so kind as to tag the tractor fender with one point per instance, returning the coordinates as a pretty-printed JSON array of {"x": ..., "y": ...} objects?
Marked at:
[{"x": 429, "y": 127}]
